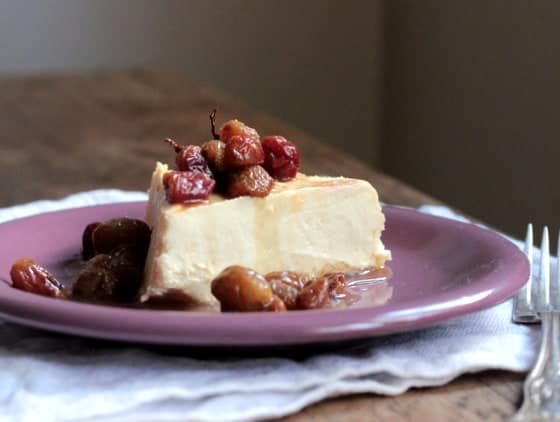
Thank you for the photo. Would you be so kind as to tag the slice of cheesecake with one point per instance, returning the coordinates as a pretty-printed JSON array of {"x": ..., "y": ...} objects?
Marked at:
[{"x": 312, "y": 225}]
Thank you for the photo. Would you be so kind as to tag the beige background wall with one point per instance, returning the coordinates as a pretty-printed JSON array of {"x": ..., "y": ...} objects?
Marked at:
[
  {"x": 473, "y": 105},
  {"x": 314, "y": 63}
]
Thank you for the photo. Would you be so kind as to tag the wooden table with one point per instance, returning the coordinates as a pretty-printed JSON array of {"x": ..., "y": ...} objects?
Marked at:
[{"x": 63, "y": 134}]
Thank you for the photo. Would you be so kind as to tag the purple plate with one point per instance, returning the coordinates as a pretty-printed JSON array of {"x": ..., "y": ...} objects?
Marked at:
[{"x": 441, "y": 269}]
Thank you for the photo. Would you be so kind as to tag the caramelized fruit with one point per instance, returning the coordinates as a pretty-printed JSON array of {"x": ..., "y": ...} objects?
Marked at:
[
  {"x": 127, "y": 263},
  {"x": 88, "y": 250},
  {"x": 236, "y": 128},
  {"x": 113, "y": 278},
  {"x": 287, "y": 286},
  {"x": 244, "y": 290},
  {"x": 118, "y": 232},
  {"x": 185, "y": 187},
  {"x": 322, "y": 292},
  {"x": 27, "y": 275},
  {"x": 96, "y": 282},
  {"x": 281, "y": 157},
  {"x": 189, "y": 158},
  {"x": 229, "y": 161},
  {"x": 214, "y": 152},
  {"x": 249, "y": 181},
  {"x": 314, "y": 295},
  {"x": 242, "y": 152}
]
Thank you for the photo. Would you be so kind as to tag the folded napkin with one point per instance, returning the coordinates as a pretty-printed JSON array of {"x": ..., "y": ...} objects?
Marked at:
[{"x": 52, "y": 377}]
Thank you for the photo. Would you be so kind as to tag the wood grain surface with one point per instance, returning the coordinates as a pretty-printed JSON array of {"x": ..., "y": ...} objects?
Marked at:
[{"x": 63, "y": 134}]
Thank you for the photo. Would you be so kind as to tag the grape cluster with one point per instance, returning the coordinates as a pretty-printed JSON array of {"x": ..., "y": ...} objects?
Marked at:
[
  {"x": 115, "y": 251},
  {"x": 237, "y": 162},
  {"x": 241, "y": 289}
]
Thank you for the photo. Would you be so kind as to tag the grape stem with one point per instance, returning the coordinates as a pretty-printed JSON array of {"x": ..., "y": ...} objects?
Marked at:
[
  {"x": 213, "y": 124},
  {"x": 174, "y": 144}
]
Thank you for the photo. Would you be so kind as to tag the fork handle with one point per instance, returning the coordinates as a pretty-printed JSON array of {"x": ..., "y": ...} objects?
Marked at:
[{"x": 542, "y": 387}]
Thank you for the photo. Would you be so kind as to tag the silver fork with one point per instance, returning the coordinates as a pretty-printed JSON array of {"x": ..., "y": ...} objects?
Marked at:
[{"x": 539, "y": 301}]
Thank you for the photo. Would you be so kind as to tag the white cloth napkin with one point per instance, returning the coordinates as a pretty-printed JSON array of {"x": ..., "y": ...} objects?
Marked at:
[{"x": 51, "y": 377}]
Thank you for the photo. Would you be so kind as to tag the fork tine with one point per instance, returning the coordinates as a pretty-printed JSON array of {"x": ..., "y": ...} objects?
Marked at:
[
  {"x": 529, "y": 253},
  {"x": 545, "y": 270},
  {"x": 523, "y": 307}
]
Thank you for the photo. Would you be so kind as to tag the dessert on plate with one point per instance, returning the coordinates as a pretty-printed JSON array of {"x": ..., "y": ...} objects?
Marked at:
[
  {"x": 309, "y": 225},
  {"x": 234, "y": 225}
]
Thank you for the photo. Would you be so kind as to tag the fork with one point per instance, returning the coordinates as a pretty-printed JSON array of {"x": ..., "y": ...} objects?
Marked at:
[{"x": 538, "y": 301}]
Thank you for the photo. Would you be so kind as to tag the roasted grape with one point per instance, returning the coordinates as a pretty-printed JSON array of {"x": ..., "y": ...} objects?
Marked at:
[
  {"x": 277, "y": 305},
  {"x": 337, "y": 285},
  {"x": 242, "y": 152},
  {"x": 88, "y": 250},
  {"x": 287, "y": 286},
  {"x": 244, "y": 290},
  {"x": 249, "y": 181},
  {"x": 189, "y": 158},
  {"x": 281, "y": 157},
  {"x": 127, "y": 265},
  {"x": 236, "y": 128},
  {"x": 133, "y": 253},
  {"x": 322, "y": 292},
  {"x": 186, "y": 187},
  {"x": 96, "y": 282},
  {"x": 110, "y": 278},
  {"x": 118, "y": 232},
  {"x": 315, "y": 294},
  {"x": 27, "y": 275},
  {"x": 214, "y": 152}
]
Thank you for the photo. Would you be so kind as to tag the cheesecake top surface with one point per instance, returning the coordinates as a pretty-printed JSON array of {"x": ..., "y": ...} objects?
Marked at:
[{"x": 301, "y": 181}]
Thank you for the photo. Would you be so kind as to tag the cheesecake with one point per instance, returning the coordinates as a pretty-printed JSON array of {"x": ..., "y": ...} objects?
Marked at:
[{"x": 310, "y": 225}]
